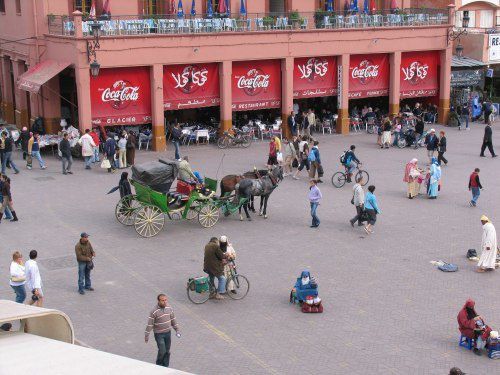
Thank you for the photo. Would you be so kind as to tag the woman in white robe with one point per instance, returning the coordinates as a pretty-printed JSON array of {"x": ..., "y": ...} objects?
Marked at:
[{"x": 488, "y": 246}]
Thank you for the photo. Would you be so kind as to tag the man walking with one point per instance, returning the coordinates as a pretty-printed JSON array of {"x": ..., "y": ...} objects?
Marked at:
[
  {"x": 84, "y": 254},
  {"x": 432, "y": 143},
  {"x": 7, "y": 156},
  {"x": 291, "y": 124},
  {"x": 358, "y": 199},
  {"x": 24, "y": 139},
  {"x": 7, "y": 199},
  {"x": 314, "y": 198},
  {"x": 311, "y": 120},
  {"x": 213, "y": 265},
  {"x": 67, "y": 159},
  {"x": 176, "y": 139},
  {"x": 488, "y": 141},
  {"x": 34, "y": 151},
  {"x": 442, "y": 148},
  {"x": 475, "y": 187},
  {"x": 489, "y": 246},
  {"x": 97, "y": 142},
  {"x": 161, "y": 320},
  {"x": 88, "y": 146},
  {"x": 315, "y": 160},
  {"x": 464, "y": 117},
  {"x": 34, "y": 280}
]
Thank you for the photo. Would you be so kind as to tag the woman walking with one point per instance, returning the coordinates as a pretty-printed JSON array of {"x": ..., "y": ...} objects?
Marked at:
[
  {"x": 371, "y": 208},
  {"x": 303, "y": 157},
  {"x": 412, "y": 175},
  {"x": 434, "y": 180},
  {"x": 7, "y": 199},
  {"x": 314, "y": 198},
  {"x": 442, "y": 148},
  {"x": 289, "y": 154},
  {"x": 18, "y": 277},
  {"x": 122, "y": 151}
]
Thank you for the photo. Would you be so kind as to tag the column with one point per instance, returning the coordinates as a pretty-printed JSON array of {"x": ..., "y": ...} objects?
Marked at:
[
  {"x": 21, "y": 110},
  {"x": 7, "y": 99},
  {"x": 395, "y": 81},
  {"x": 226, "y": 95},
  {"x": 158, "y": 115},
  {"x": 82, "y": 76},
  {"x": 286, "y": 94},
  {"x": 343, "y": 96},
  {"x": 444, "y": 86}
]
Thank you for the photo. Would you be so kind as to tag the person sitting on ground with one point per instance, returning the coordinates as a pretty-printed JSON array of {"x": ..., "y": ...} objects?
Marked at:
[
  {"x": 305, "y": 286},
  {"x": 349, "y": 160},
  {"x": 213, "y": 265},
  {"x": 472, "y": 326},
  {"x": 186, "y": 174}
]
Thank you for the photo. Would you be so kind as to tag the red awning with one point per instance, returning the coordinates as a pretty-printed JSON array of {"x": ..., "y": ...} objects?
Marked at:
[{"x": 37, "y": 75}]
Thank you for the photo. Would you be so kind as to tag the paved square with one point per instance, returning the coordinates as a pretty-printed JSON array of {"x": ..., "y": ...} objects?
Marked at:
[{"x": 387, "y": 309}]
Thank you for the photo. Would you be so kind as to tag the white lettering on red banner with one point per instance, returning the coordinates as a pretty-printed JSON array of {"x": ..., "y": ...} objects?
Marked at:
[
  {"x": 254, "y": 82},
  {"x": 365, "y": 71},
  {"x": 121, "y": 94},
  {"x": 190, "y": 79},
  {"x": 313, "y": 67},
  {"x": 415, "y": 72}
]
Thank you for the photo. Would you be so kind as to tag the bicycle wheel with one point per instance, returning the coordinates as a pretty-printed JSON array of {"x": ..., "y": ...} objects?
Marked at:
[
  {"x": 338, "y": 179},
  {"x": 370, "y": 129},
  {"x": 365, "y": 175},
  {"x": 246, "y": 141},
  {"x": 237, "y": 287},
  {"x": 197, "y": 297},
  {"x": 401, "y": 143},
  {"x": 223, "y": 142}
]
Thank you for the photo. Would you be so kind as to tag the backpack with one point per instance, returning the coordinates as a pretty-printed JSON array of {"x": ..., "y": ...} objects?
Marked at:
[
  {"x": 471, "y": 253},
  {"x": 312, "y": 156},
  {"x": 343, "y": 157}
]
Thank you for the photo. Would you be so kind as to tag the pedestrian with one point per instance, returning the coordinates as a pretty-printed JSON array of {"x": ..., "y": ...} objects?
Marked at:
[
  {"x": 230, "y": 254},
  {"x": 34, "y": 151},
  {"x": 411, "y": 177},
  {"x": 122, "y": 151},
  {"x": 488, "y": 141},
  {"x": 88, "y": 145},
  {"x": 358, "y": 200},
  {"x": 432, "y": 143},
  {"x": 84, "y": 256},
  {"x": 8, "y": 142},
  {"x": 2, "y": 149},
  {"x": 18, "y": 276},
  {"x": 315, "y": 162},
  {"x": 8, "y": 214},
  {"x": 442, "y": 148},
  {"x": 487, "y": 111},
  {"x": 314, "y": 196},
  {"x": 124, "y": 185},
  {"x": 464, "y": 117},
  {"x": 213, "y": 265},
  {"x": 292, "y": 125},
  {"x": 289, "y": 154},
  {"x": 24, "y": 138},
  {"x": 66, "y": 158},
  {"x": 131, "y": 145},
  {"x": 303, "y": 157},
  {"x": 489, "y": 247},
  {"x": 434, "y": 179},
  {"x": 34, "y": 280},
  {"x": 273, "y": 154},
  {"x": 161, "y": 320},
  {"x": 475, "y": 187},
  {"x": 311, "y": 122},
  {"x": 419, "y": 130},
  {"x": 386, "y": 133},
  {"x": 97, "y": 142},
  {"x": 371, "y": 208},
  {"x": 176, "y": 139},
  {"x": 109, "y": 152},
  {"x": 7, "y": 199}
]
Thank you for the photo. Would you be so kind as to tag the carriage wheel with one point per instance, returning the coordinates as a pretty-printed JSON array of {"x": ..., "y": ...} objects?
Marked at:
[
  {"x": 125, "y": 209},
  {"x": 149, "y": 221},
  {"x": 208, "y": 215},
  {"x": 192, "y": 212}
]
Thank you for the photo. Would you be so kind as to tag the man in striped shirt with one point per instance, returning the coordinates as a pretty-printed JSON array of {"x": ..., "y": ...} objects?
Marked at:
[{"x": 161, "y": 320}]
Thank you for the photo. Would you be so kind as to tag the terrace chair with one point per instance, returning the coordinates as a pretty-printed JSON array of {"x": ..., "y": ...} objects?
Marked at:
[
  {"x": 145, "y": 139},
  {"x": 285, "y": 23},
  {"x": 182, "y": 26},
  {"x": 68, "y": 28},
  {"x": 208, "y": 25},
  {"x": 218, "y": 26},
  {"x": 339, "y": 22},
  {"x": 327, "y": 23},
  {"x": 243, "y": 25},
  {"x": 149, "y": 24},
  {"x": 228, "y": 24},
  {"x": 259, "y": 24},
  {"x": 326, "y": 126},
  {"x": 85, "y": 28},
  {"x": 197, "y": 25},
  {"x": 162, "y": 26},
  {"x": 304, "y": 23},
  {"x": 278, "y": 24},
  {"x": 377, "y": 20}
]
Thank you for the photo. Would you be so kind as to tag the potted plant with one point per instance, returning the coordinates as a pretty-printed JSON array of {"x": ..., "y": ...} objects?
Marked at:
[
  {"x": 295, "y": 19},
  {"x": 268, "y": 21},
  {"x": 319, "y": 17},
  {"x": 51, "y": 18}
]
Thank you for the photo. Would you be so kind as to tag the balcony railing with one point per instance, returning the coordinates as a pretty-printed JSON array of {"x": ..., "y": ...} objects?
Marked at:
[{"x": 170, "y": 24}]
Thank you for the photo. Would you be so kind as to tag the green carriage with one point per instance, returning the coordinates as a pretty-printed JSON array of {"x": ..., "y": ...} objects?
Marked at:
[{"x": 153, "y": 200}]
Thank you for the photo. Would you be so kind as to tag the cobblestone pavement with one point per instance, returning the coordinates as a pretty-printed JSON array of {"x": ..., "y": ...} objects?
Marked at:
[{"x": 387, "y": 309}]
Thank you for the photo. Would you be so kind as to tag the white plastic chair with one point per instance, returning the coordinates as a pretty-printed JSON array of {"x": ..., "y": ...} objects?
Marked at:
[
  {"x": 303, "y": 25},
  {"x": 259, "y": 24},
  {"x": 326, "y": 22}
]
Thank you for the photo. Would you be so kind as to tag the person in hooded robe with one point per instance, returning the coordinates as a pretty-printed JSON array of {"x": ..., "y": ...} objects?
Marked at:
[
  {"x": 411, "y": 177},
  {"x": 489, "y": 246},
  {"x": 124, "y": 185},
  {"x": 305, "y": 286},
  {"x": 472, "y": 326},
  {"x": 435, "y": 178},
  {"x": 228, "y": 250}
]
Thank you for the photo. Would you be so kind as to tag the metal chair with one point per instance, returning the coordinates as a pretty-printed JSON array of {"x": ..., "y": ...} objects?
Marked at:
[
  {"x": 145, "y": 139},
  {"x": 326, "y": 126}
]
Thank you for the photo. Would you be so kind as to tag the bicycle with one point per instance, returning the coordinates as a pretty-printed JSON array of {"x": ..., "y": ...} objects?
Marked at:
[
  {"x": 340, "y": 178},
  {"x": 239, "y": 139},
  {"x": 200, "y": 289}
]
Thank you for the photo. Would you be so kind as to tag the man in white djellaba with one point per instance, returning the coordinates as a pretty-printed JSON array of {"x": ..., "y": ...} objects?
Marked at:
[{"x": 488, "y": 246}]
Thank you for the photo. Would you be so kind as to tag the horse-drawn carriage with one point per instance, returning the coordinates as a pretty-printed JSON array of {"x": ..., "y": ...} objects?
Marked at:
[{"x": 153, "y": 199}]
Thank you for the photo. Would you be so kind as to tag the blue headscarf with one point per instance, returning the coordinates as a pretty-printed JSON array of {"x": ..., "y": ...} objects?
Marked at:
[
  {"x": 305, "y": 274},
  {"x": 435, "y": 161}
]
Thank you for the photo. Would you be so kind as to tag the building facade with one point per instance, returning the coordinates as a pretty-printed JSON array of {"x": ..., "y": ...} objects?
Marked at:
[{"x": 263, "y": 55}]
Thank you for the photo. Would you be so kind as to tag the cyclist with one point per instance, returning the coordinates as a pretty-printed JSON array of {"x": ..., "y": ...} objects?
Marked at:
[{"x": 348, "y": 158}]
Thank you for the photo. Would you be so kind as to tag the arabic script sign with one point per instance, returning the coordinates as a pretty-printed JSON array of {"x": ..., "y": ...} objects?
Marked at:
[
  {"x": 315, "y": 77},
  {"x": 419, "y": 74}
]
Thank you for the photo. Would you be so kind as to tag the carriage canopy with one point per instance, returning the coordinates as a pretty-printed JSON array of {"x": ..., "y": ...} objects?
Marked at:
[{"x": 158, "y": 175}]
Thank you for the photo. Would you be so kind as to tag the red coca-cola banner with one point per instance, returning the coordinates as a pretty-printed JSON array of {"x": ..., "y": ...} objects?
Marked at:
[
  {"x": 256, "y": 85},
  {"x": 314, "y": 77},
  {"x": 121, "y": 96},
  {"x": 191, "y": 86},
  {"x": 419, "y": 74},
  {"x": 368, "y": 76}
]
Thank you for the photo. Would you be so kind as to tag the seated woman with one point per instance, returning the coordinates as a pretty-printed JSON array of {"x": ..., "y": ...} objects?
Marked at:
[
  {"x": 305, "y": 286},
  {"x": 472, "y": 326}
]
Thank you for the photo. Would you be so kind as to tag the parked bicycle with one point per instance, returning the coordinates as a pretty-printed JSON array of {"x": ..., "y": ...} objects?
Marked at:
[
  {"x": 200, "y": 289},
  {"x": 239, "y": 139},
  {"x": 340, "y": 178}
]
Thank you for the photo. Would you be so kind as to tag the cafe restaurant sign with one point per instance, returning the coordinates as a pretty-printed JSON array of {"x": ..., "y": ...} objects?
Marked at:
[
  {"x": 419, "y": 74},
  {"x": 315, "y": 77},
  {"x": 368, "y": 76},
  {"x": 494, "y": 47}
]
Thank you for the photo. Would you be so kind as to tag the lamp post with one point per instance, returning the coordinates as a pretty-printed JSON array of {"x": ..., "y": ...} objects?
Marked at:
[{"x": 92, "y": 46}]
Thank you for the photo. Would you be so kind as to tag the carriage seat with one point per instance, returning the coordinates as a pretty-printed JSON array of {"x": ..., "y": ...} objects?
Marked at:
[
  {"x": 175, "y": 197},
  {"x": 184, "y": 188}
]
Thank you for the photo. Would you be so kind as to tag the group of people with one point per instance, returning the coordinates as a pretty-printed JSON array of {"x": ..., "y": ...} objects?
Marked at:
[
  {"x": 26, "y": 275},
  {"x": 415, "y": 176}
]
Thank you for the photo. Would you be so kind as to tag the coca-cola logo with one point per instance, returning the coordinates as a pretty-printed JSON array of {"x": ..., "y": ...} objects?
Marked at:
[
  {"x": 415, "y": 72},
  {"x": 120, "y": 95},
  {"x": 190, "y": 79},
  {"x": 314, "y": 67},
  {"x": 254, "y": 82},
  {"x": 365, "y": 71}
]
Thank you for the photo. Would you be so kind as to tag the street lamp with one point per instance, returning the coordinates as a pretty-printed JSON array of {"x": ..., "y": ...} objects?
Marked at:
[{"x": 92, "y": 46}]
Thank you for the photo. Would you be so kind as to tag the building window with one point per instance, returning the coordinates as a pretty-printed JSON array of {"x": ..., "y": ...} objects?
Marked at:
[
  {"x": 151, "y": 7},
  {"x": 18, "y": 6},
  {"x": 2, "y": 6},
  {"x": 83, "y": 6},
  {"x": 486, "y": 19}
]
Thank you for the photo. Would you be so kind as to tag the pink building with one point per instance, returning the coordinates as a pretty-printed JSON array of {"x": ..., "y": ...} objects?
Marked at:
[{"x": 261, "y": 55}]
